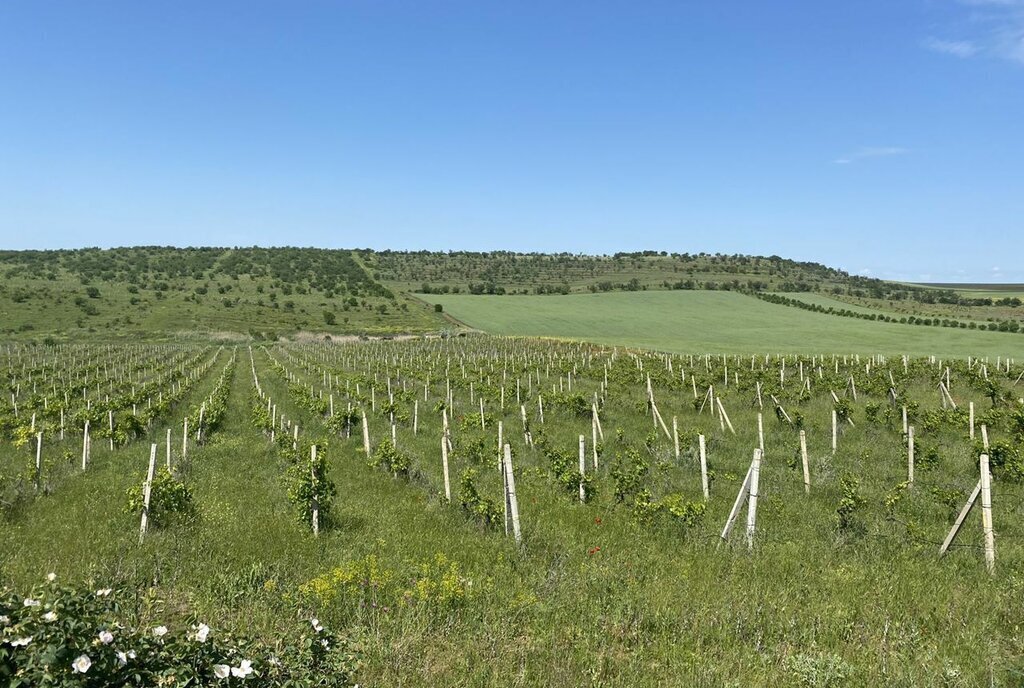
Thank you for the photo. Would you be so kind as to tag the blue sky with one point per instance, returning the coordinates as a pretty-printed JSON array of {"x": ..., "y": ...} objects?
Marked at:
[{"x": 882, "y": 137}]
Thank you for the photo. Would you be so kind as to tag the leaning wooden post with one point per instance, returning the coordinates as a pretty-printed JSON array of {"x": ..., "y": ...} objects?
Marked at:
[
  {"x": 702, "y": 446},
  {"x": 147, "y": 489},
  {"x": 39, "y": 460},
  {"x": 910, "y": 454},
  {"x": 510, "y": 491},
  {"x": 741, "y": 497},
  {"x": 755, "y": 473},
  {"x": 315, "y": 501},
  {"x": 199, "y": 425},
  {"x": 986, "y": 516},
  {"x": 583, "y": 468},
  {"x": 803, "y": 459}
]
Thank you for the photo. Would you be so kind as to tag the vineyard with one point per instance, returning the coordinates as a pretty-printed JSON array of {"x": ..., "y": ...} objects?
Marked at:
[{"x": 509, "y": 511}]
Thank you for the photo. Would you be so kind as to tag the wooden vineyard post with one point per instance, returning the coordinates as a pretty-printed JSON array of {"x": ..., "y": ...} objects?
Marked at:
[
  {"x": 905, "y": 420},
  {"x": 593, "y": 438},
  {"x": 366, "y": 436},
  {"x": 295, "y": 437},
  {"x": 110, "y": 421},
  {"x": 986, "y": 515},
  {"x": 315, "y": 501},
  {"x": 501, "y": 441},
  {"x": 199, "y": 425},
  {"x": 583, "y": 468},
  {"x": 755, "y": 473},
  {"x": 444, "y": 468},
  {"x": 675, "y": 436},
  {"x": 702, "y": 446},
  {"x": 510, "y": 495},
  {"x": 760, "y": 433},
  {"x": 971, "y": 414},
  {"x": 85, "y": 446},
  {"x": 724, "y": 416},
  {"x": 184, "y": 441},
  {"x": 540, "y": 408},
  {"x": 741, "y": 497},
  {"x": 168, "y": 449},
  {"x": 803, "y": 459},
  {"x": 910, "y": 454},
  {"x": 960, "y": 519},
  {"x": 62, "y": 424},
  {"x": 415, "y": 416},
  {"x": 835, "y": 431},
  {"x": 147, "y": 489},
  {"x": 39, "y": 460}
]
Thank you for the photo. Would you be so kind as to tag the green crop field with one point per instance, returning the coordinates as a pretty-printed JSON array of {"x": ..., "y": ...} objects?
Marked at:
[{"x": 691, "y": 321}]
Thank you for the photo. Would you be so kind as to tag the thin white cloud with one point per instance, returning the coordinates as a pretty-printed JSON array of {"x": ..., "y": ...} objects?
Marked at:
[
  {"x": 993, "y": 28},
  {"x": 870, "y": 152},
  {"x": 962, "y": 49}
]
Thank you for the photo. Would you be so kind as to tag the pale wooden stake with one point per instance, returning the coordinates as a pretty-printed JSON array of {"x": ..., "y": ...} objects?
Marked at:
[
  {"x": 835, "y": 431},
  {"x": 741, "y": 498},
  {"x": 803, "y": 458},
  {"x": 755, "y": 473},
  {"x": 444, "y": 467},
  {"x": 702, "y": 446},
  {"x": 147, "y": 489},
  {"x": 366, "y": 435},
  {"x": 960, "y": 519},
  {"x": 39, "y": 460},
  {"x": 971, "y": 413},
  {"x": 510, "y": 490},
  {"x": 168, "y": 449},
  {"x": 986, "y": 516},
  {"x": 583, "y": 467},
  {"x": 316, "y": 500},
  {"x": 910, "y": 454},
  {"x": 675, "y": 435}
]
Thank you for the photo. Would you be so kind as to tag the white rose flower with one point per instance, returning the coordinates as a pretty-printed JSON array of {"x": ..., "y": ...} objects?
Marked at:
[
  {"x": 221, "y": 670},
  {"x": 122, "y": 658},
  {"x": 21, "y": 642},
  {"x": 243, "y": 669},
  {"x": 5, "y": 620},
  {"x": 160, "y": 631},
  {"x": 82, "y": 664},
  {"x": 50, "y": 616},
  {"x": 316, "y": 625},
  {"x": 202, "y": 631},
  {"x": 106, "y": 637},
  {"x": 51, "y": 577},
  {"x": 31, "y": 603},
  {"x": 103, "y": 592}
]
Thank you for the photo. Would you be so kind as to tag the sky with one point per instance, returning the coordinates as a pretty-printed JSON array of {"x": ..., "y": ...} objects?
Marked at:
[{"x": 882, "y": 137}]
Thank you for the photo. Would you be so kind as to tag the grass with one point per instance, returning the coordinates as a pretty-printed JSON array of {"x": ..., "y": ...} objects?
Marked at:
[
  {"x": 596, "y": 595},
  {"x": 688, "y": 321}
]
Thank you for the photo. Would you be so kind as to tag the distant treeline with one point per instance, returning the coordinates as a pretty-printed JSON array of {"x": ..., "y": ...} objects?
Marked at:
[{"x": 1003, "y": 326}]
